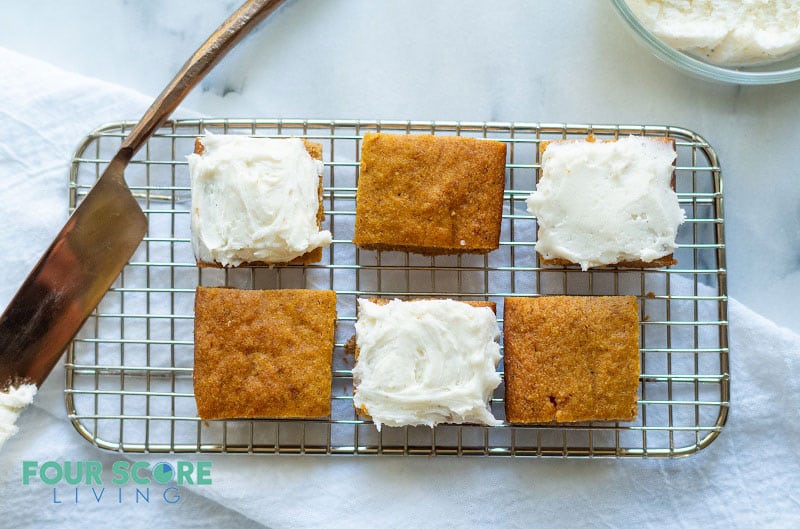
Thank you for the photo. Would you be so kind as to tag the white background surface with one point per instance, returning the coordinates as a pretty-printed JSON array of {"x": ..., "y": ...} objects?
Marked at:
[{"x": 543, "y": 60}]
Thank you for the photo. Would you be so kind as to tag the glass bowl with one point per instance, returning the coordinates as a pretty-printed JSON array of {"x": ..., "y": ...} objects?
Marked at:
[{"x": 782, "y": 71}]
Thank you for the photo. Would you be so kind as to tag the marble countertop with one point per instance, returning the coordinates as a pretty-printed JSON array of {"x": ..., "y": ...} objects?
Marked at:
[{"x": 547, "y": 61}]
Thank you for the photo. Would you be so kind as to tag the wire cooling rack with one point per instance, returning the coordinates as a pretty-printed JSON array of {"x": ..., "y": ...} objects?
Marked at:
[{"x": 129, "y": 371}]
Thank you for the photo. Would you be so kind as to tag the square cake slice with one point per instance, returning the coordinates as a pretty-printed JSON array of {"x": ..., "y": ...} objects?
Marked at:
[
  {"x": 256, "y": 201},
  {"x": 571, "y": 358},
  {"x": 426, "y": 362},
  {"x": 263, "y": 353},
  {"x": 428, "y": 194},
  {"x": 607, "y": 203}
]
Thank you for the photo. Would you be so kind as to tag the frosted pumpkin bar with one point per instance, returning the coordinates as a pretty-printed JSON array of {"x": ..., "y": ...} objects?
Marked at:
[
  {"x": 256, "y": 201},
  {"x": 425, "y": 362},
  {"x": 607, "y": 203}
]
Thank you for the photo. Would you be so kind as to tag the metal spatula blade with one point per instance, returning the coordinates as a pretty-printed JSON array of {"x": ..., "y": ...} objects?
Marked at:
[
  {"x": 70, "y": 279},
  {"x": 101, "y": 235}
]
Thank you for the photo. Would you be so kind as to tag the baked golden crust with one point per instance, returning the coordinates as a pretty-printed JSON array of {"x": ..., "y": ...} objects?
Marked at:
[
  {"x": 432, "y": 195},
  {"x": 263, "y": 353},
  {"x": 667, "y": 260},
  {"x": 571, "y": 358},
  {"x": 314, "y": 256}
]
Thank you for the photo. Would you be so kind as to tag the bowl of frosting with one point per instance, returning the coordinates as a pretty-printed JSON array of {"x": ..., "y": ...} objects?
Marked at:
[{"x": 748, "y": 42}]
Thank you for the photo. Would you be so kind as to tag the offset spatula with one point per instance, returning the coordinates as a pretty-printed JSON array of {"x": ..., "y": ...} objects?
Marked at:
[{"x": 101, "y": 235}]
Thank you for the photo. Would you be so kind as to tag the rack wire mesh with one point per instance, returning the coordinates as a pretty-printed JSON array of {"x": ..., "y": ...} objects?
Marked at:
[{"x": 129, "y": 370}]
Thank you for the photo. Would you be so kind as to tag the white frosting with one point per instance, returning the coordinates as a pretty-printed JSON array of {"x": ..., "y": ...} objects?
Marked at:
[
  {"x": 426, "y": 362},
  {"x": 726, "y": 32},
  {"x": 254, "y": 199},
  {"x": 12, "y": 402},
  {"x": 605, "y": 202}
]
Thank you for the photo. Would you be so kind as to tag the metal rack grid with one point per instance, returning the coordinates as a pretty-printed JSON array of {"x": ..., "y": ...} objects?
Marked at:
[{"x": 129, "y": 371}]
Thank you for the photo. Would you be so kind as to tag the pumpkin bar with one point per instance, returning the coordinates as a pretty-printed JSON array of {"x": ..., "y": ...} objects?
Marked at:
[
  {"x": 241, "y": 215},
  {"x": 431, "y": 195},
  {"x": 607, "y": 203},
  {"x": 263, "y": 353},
  {"x": 571, "y": 358},
  {"x": 426, "y": 361}
]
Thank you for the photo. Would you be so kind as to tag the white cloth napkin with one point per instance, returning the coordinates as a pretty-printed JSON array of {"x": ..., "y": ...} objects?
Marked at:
[{"x": 748, "y": 477}]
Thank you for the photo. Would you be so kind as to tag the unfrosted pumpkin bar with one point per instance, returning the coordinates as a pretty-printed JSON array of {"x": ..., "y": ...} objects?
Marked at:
[
  {"x": 431, "y": 195},
  {"x": 263, "y": 353},
  {"x": 571, "y": 358}
]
